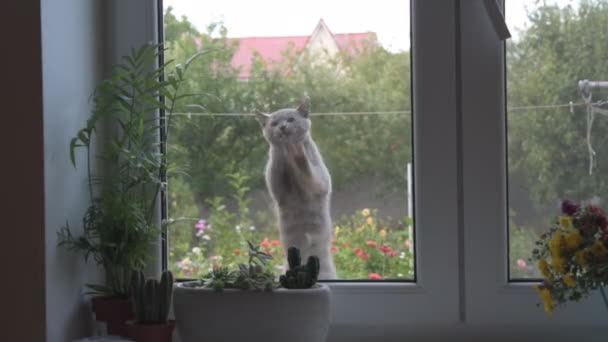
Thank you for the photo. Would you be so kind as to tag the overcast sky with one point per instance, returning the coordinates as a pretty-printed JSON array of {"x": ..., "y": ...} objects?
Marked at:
[{"x": 388, "y": 18}]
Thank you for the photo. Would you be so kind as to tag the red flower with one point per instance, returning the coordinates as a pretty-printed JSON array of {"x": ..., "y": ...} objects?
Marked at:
[
  {"x": 374, "y": 276},
  {"x": 385, "y": 248},
  {"x": 265, "y": 242},
  {"x": 371, "y": 243},
  {"x": 393, "y": 253},
  {"x": 596, "y": 210},
  {"x": 357, "y": 250},
  {"x": 345, "y": 244},
  {"x": 334, "y": 248},
  {"x": 237, "y": 251},
  {"x": 363, "y": 255},
  {"x": 275, "y": 242}
]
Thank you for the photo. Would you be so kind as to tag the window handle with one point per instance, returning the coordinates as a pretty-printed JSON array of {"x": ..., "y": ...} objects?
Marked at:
[{"x": 497, "y": 19}]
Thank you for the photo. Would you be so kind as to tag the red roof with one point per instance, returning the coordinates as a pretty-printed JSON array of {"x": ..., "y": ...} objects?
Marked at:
[{"x": 270, "y": 48}]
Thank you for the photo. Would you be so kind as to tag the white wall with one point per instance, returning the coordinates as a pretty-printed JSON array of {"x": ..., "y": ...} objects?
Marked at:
[{"x": 72, "y": 64}]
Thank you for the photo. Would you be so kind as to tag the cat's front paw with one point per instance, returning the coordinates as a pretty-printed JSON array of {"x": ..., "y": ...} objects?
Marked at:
[{"x": 296, "y": 150}]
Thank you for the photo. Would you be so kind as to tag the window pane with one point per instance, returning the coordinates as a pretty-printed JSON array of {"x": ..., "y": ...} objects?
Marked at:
[
  {"x": 353, "y": 61},
  {"x": 553, "y": 128}
]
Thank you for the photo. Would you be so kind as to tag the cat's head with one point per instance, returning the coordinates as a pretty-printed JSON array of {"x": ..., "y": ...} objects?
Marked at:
[{"x": 286, "y": 126}]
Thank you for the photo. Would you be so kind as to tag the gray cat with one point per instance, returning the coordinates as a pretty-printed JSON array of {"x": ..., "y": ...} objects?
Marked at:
[{"x": 299, "y": 184}]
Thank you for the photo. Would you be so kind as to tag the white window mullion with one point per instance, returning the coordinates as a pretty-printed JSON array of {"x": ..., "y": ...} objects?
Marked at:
[{"x": 410, "y": 309}]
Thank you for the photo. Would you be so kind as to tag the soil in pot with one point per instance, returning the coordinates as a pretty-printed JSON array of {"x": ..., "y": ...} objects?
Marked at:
[
  {"x": 150, "y": 332},
  {"x": 115, "y": 311}
]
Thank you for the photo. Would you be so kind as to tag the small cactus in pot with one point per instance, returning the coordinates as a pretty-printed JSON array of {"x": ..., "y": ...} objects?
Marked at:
[
  {"x": 300, "y": 276},
  {"x": 151, "y": 302}
]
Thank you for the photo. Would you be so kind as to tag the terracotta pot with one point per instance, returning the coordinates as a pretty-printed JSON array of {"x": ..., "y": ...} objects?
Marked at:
[
  {"x": 235, "y": 315},
  {"x": 150, "y": 332},
  {"x": 115, "y": 311}
]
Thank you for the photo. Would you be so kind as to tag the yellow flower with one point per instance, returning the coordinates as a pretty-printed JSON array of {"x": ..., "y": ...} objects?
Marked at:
[
  {"x": 555, "y": 244},
  {"x": 565, "y": 222},
  {"x": 382, "y": 232},
  {"x": 336, "y": 230},
  {"x": 370, "y": 221},
  {"x": 545, "y": 294},
  {"x": 599, "y": 250},
  {"x": 549, "y": 307},
  {"x": 569, "y": 280},
  {"x": 580, "y": 257},
  {"x": 574, "y": 240},
  {"x": 365, "y": 212},
  {"x": 559, "y": 264},
  {"x": 543, "y": 267}
]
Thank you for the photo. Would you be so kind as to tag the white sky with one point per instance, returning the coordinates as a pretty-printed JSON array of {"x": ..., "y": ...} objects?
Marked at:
[{"x": 388, "y": 18}]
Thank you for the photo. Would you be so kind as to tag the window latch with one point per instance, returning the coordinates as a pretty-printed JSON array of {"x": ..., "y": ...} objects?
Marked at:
[{"x": 497, "y": 19}]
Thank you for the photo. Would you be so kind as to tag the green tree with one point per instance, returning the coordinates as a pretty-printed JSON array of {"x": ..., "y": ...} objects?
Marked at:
[
  {"x": 548, "y": 148},
  {"x": 210, "y": 147},
  {"x": 175, "y": 28}
]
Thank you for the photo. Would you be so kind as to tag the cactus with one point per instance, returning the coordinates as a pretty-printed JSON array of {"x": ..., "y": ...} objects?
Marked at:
[
  {"x": 293, "y": 257},
  {"x": 300, "y": 276},
  {"x": 151, "y": 298}
]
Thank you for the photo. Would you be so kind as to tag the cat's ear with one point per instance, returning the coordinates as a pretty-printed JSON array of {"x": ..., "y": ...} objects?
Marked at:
[
  {"x": 304, "y": 107},
  {"x": 262, "y": 118}
]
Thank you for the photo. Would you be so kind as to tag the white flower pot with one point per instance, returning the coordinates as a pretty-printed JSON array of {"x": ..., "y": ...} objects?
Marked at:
[{"x": 203, "y": 315}]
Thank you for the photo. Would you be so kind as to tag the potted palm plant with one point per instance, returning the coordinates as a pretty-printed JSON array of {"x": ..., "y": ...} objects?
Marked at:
[
  {"x": 119, "y": 226},
  {"x": 152, "y": 300},
  {"x": 297, "y": 309}
]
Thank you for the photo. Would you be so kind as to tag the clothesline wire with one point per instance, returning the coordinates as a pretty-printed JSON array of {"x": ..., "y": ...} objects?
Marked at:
[{"x": 570, "y": 105}]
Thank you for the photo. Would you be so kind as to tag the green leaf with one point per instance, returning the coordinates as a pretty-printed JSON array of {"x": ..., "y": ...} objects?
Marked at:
[
  {"x": 82, "y": 135},
  {"x": 73, "y": 145}
]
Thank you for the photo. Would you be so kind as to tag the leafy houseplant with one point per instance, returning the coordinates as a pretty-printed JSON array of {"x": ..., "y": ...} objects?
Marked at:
[
  {"x": 250, "y": 298},
  {"x": 119, "y": 226},
  {"x": 151, "y": 299},
  {"x": 573, "y": 256}
]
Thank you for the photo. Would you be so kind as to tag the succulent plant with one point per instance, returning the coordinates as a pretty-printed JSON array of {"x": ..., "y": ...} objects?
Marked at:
[
  {"x": 152, "y": 298},
  {"x": 300, "y": 276},
  {"x": 252, "y": 275},
  {"x": 220, "y": 278}
]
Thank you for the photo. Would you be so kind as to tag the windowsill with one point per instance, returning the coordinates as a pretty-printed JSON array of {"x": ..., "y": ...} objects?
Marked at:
[
  {"x": 338, "y": 288},
  {"x": 461, "y": 332}
]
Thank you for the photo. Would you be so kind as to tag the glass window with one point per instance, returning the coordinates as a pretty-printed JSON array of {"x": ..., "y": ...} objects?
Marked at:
[
  {"x": 353, "y": 62},
  {"x": 557, "y": 148}
]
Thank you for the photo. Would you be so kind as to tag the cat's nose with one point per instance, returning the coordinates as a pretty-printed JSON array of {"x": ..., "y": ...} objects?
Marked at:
[{"x": 282, "y": 128}]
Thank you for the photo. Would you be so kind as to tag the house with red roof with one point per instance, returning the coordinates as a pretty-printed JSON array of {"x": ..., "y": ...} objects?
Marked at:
[{"x": 321, "y": 42}]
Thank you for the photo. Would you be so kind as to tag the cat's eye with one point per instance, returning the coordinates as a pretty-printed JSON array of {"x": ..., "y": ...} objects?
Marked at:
[
  {"x": 274, "y": 123},
  {"x": 290, "y": 120}
]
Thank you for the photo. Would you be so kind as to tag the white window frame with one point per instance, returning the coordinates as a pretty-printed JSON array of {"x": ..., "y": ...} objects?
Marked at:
[{"x": 462, "y": 290}]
